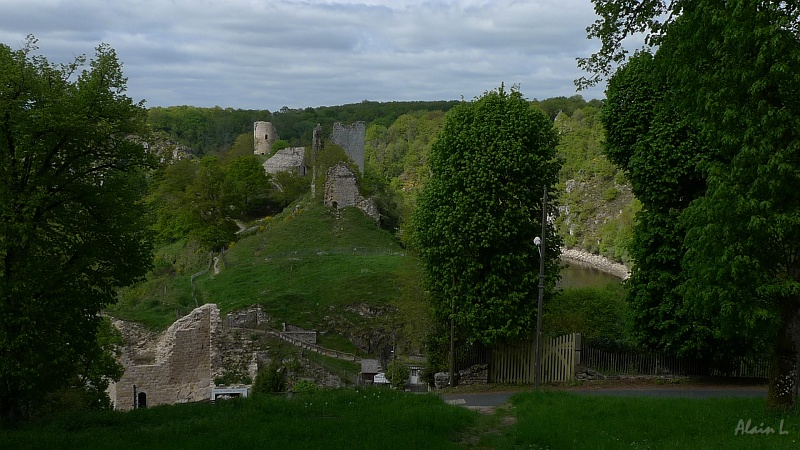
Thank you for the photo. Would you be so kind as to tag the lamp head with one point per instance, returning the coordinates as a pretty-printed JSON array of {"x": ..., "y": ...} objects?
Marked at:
[{"x": 537, "y": 241}]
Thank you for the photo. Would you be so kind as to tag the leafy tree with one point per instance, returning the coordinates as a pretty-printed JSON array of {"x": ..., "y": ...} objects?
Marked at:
[
  {"x": 478, "y": 214},
  {"x": 734, "y": 70},
  {"x": 72, "y": 223},
  {"x": 246, "y": 186},
  {"x": 397, "y": 373},
  {"x": 169, "y": 200},
  {"x": 660, "y": 150},
  {"x": 210, "y": 211},
  {"x": 242, "y": 146}
]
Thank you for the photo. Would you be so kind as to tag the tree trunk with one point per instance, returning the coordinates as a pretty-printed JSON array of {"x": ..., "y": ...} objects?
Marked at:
[{"x": 783, "y": 377}]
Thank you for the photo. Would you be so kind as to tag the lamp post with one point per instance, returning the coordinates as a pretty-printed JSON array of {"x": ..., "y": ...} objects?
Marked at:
[{"x": 539, "y": 242}]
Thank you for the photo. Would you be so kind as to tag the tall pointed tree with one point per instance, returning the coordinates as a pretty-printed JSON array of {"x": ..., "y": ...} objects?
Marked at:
[{"x": 478, "y": 215}]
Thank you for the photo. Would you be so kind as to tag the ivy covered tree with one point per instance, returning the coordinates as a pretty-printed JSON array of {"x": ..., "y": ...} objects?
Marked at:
[
  {"x": 734, "y": 71},
  {"x": 72, "y": 223},
  {"x": 478, "y": 215}
]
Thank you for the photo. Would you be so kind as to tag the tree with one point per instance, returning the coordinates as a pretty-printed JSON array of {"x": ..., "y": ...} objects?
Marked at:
[
  {"x": 478, "y": 215},
  {"x": 246, "y": 186},
  {"x": 734, "y": 68},
  {"x": 659, "y": 149},
  {"x": 72, "y": 223}
]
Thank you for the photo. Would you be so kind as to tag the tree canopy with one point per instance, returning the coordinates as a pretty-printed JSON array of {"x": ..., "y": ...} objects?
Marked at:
[
  {"x": 733, "y": 70},
  {"x": 72, "y": 224},
  {"x": 477, "y": 216}
]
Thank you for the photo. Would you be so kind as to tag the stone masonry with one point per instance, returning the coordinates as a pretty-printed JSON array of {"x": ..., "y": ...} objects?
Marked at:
[
  {"x": 290, "y": 159},
  {"x": 264, "y": 135},
  {"x": 184, "y": 363},
  {"x": 341, "y": 191},
  {"x": 352, "y": 139}
]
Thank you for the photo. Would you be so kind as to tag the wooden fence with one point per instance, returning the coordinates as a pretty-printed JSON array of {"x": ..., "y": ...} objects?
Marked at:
[
  {"x": 515, "y": 363},
  {"x": 639, "y": 363}
]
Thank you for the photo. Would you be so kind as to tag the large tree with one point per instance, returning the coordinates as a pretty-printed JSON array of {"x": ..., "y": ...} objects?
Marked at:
[
  {"x": 478, "y": 215},
  {"x": 71, "y": 219},
  {"x": 734, "y": 70}
]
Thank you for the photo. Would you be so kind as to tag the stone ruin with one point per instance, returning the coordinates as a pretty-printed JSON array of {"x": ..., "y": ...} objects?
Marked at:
[
  {"x": 291, "y": 159},
  {"x": 341, "y": 191},
  {"x": 177, "y": 367},
  {"x": 264, "y": 135},
  {"x": 352, "y": 138}
]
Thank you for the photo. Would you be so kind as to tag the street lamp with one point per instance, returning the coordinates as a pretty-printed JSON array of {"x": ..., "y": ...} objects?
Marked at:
[{"x": 539, "y": 242}]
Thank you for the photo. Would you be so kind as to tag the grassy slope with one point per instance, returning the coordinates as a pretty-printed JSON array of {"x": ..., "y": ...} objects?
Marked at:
[{"x": 305, "y": 266}]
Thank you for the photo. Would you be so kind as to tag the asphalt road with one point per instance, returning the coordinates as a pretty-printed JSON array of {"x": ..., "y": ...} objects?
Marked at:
[{"x": 492, "y": 399}]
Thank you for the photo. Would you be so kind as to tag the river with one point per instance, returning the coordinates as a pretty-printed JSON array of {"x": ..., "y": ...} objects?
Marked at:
[{"x": 576, "y": 274}]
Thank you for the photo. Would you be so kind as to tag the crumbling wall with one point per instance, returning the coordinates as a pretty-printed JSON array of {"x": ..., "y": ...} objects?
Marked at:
[
  {"x": 186, "y": 361},
  {"x": 290, "y": 159},
  {"x": 264, "y": 135},
  {"x": 352, "y": 139},
  {"x": 341, "y": 191}
]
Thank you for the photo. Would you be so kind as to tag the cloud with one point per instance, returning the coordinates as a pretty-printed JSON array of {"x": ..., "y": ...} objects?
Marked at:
[{"x": 269, "y": 54}]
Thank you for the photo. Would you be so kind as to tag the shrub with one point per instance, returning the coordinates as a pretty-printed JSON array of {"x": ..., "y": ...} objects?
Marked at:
[
  {"x": 271, "y": 379},
  {"x": 397, "y": 373}
]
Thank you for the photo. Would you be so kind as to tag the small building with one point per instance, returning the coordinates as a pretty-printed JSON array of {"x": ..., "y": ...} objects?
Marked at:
[{"x": 369, "y": 369}]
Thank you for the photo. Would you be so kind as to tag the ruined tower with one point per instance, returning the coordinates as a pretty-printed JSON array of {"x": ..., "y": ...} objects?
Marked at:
[
  {"x": 352, "y": 139},
  {"x": 264, "y": 135}
]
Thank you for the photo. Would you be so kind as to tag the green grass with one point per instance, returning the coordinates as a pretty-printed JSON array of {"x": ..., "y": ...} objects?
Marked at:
[
  {"x": 346, "y": 419},
  {"x": 562, "y": 420},
  {"x": 305, "y": 266},
  {"x": 382, "y": 418}
]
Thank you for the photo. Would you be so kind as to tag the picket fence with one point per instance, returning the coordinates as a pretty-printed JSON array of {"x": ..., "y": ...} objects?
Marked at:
[{"x": 516, "y": 363}]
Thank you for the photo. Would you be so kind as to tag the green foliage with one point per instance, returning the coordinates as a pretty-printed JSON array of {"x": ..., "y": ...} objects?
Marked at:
[
  {"x": 478, "y": 215},
  {"x": 242, "y": 146},
  {"x": 731, "y": 70},
  {"x": 596, "y": 198},
  {"x": 280, "y": 144},
  {"x": 271, "y": 379},
  {"x": 599, "y": 314},
  {"x": 73, "y": 228},
  {"x": 397, "y": 372},
  {"x": 207, "y": 130},
  {"x": 303, "y": 386},
  {"x": 246, "y": 188}
]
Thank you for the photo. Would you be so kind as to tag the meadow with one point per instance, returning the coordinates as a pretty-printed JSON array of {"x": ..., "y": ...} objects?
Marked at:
[{"x": 387, "y": 419}]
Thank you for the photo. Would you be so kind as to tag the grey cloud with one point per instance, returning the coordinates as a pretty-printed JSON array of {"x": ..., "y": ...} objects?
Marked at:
[{"x": 267, "y": 54}]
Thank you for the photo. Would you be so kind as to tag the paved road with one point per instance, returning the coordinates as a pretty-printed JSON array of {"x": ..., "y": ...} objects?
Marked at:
[{"x": 492, "y": 399}]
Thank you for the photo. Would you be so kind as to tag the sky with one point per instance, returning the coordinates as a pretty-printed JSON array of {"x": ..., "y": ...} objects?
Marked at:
[{"x": 267, "y": 54}]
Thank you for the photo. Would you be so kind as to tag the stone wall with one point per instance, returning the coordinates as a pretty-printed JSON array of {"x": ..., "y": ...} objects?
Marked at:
[
  {"x": 341, "y": 191},
  {"x": 352, "y": 139},
  {"x": 185, "y": 362},
  {"x": 264, "y": 135},
  {"x": 290, "y": 159}
]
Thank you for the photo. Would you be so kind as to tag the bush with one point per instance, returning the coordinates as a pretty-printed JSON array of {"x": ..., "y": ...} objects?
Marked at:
[
  {"x": 397, "y": 373},
  {"x": 271, "y": 379}
]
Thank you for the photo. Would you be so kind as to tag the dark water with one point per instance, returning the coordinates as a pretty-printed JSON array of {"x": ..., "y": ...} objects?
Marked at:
[{"x": 581, "y": 275}]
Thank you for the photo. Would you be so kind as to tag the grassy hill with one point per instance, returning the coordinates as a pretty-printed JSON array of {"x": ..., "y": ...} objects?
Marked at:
[{"x": 311, "y": 266}]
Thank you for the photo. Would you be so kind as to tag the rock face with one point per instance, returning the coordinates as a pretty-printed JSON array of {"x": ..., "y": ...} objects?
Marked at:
[
  {"x": 341, "y": 191},
  {"x": 290, "y": 159},
  {"x": 264, "y": 135},
  {"x": 184, "y": 363},
  {"x": 352, "y": 139}
]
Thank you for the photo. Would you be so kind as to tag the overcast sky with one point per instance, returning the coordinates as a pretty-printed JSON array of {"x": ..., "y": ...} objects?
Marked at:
[{"x": 266, "y": 54}]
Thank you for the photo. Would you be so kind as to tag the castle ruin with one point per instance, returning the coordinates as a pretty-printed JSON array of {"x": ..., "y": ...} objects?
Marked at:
[
  {"x": 264, "y": 135},
  {"x": 352, "y": 138},
  {"x": 180, "y": 368}
]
